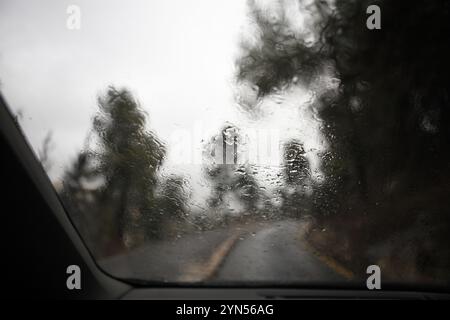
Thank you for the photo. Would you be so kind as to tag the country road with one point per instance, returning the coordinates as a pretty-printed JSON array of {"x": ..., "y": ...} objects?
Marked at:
[
  {"x": 277, "y": 254},
  {"x": 272, "y": 252}
]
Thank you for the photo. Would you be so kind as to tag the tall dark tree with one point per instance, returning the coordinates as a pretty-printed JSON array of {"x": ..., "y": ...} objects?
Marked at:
[
  {"x": 128, "y": 159},
  {"x": 387, "y": 125},
  {"x": 119, "y": 173}
]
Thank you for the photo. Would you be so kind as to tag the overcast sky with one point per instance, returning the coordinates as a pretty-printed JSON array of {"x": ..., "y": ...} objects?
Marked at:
[{"x": 176, "y": 57}]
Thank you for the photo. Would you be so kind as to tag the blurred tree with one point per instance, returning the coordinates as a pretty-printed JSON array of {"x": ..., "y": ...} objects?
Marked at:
[
  {"x": 171, "y": 202},
  {"x": 44, "y": 152},
  {"x": 219, "y": 170},
  {"x": 229, "y": 177},
  {"x": 296, "y": 180},
  {"x": 114, "y": 183},
  {"x": 296, "y": 166},
  {"x": 279, "y": 54},
  {"x": 80, "y": 198},
  {"x": 390, "y": 119},
  {"x": 128, "y": 159},
  {"x": 246, "y": 189},
  {"x": 388, "y": 122}
]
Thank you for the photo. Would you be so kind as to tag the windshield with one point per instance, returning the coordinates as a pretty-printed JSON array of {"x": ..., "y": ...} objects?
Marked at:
[{"x": 281, "y": 142}]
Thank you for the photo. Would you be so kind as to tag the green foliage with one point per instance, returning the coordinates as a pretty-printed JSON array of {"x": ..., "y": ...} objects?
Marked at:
[
  {"x": 279, "y": 54},
  {"x": 110, "y": 188},
  {"x": 387, "y": 124},
  {"x": 390, "y": 118},
  {"x": 128, "y": 159}
]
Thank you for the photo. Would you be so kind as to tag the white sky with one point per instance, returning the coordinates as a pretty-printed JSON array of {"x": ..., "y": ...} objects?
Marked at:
[{"x": 176, "y": 56}]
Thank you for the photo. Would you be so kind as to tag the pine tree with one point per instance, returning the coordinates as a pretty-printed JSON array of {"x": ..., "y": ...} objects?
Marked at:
[
  {"x": 109, "y": 189},
  {"x": 128, "y": 159}
]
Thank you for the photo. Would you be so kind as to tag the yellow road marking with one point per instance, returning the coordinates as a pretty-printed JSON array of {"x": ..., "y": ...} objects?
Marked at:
[
  {"x": 330, "y": 262},
  {"x": 203, "y": 271}
]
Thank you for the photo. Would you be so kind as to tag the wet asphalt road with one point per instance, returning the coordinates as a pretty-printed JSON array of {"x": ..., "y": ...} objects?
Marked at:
[
  {"x": 275, "y": 253},
  {"x": 272, "y": 252}
]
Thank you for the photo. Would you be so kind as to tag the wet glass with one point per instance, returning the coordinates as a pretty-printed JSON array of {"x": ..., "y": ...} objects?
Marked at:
[{"x": 289, "y": 142}]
